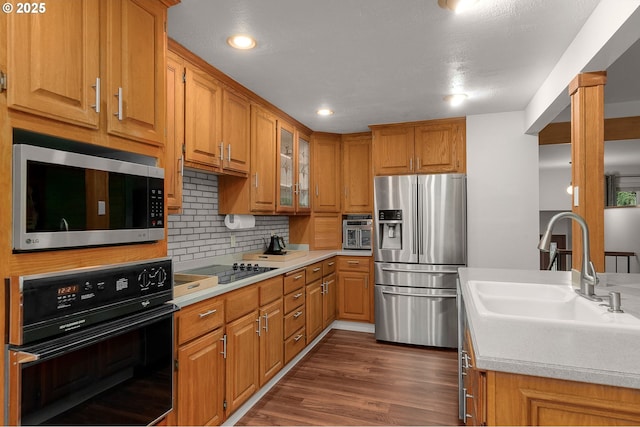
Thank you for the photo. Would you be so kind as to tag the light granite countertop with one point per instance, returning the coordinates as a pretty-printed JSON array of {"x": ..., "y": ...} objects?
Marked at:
[
  {"x": 575, "y": 351},
  {"x": 281, "y": 268}
]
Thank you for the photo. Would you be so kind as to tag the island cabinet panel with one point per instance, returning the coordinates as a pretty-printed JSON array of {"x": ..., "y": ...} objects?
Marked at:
[
  {"x": 527, "y": 400},
  {"x": 65, "y": 38}
]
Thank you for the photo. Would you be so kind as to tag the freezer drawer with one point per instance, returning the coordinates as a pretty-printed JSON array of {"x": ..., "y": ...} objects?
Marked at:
[
  {"x": 416, "y": 275},
  {"x": 420, "y": 316}
]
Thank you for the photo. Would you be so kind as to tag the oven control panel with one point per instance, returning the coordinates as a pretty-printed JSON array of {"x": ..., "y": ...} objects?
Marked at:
[{"x": 106, "y": 292}]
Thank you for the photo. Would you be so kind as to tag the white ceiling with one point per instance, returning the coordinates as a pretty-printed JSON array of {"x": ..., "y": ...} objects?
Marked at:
[{"x": 383, "y": 61}]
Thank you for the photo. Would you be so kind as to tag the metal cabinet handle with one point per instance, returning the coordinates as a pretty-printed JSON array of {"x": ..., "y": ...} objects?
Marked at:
[
  {"x": 323, "y": 291},
  {"x": 119, "y": 114},
  {"x": 97, "y": 88},
  {"x": 317, "y": 190},
  {"x": 207, "y": 313},
  {"x": 353, "y": 262},
  {"x": 259, "y": 321},
  {"x": 296, "y": 339},
  {"x": 330, "y": 264},
  {"x": 222, "y": 151},
  {"x": 298, "y": 277},
  {"x": 181, "y": 169},
  {"x": 315, "y": 270},
  {"x": 297, "y": 314},
  {"x": 418, "y": 163},
  {"x": 256, "y": 179},
  {"x": 464, "y": 405},
  {"x": 295, "y": 188},
  {"x": 229, "y": 152},
  {"x": 296, "y": 296},
  {"x": 411, "y": 164},
  {"x": 266, "y": 322},
  {"x": 418, "y": 295},
  {"x": 224, "y": 346}
]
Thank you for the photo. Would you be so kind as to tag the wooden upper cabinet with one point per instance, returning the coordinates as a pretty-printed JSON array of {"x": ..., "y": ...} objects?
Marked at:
[
  {"x": 434, "y": 146},
  {"x": 356, "y": 173},
  {"x": 174, "y": 155},
  {"x": 203, "y": 118},
  {"x": 236, "y": 116},
  {"x": 303, "y": 186},
  {"x": 439, "y": 148},
  {"x": 136, "y": 46},
  {"x": 326, "y": 172},
  {"x": 293, "y": 165},
  {"x": 263, "y": 160},
  {"x": 393, "y": 150},
  {"x": 54, "y": 62}
]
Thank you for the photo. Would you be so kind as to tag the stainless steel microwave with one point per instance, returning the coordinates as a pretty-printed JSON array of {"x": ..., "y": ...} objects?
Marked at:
[
  {"x": 65, "y": 199},
  {"x": 356, "y": 233}
]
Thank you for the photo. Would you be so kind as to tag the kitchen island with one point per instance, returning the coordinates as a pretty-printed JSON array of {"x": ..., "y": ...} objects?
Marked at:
[{"x": 526, "y": 363}]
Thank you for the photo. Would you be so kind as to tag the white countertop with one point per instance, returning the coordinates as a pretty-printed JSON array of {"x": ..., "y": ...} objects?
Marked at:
[
  {"x": 542, "y": 349},
  {"x": 281, "y": 268}
]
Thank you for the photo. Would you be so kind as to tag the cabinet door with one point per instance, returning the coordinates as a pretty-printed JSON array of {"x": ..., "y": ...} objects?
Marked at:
[
  {"x": 393, "y": 150},
  {"x": 303, "y": 201},
  {"x": 263, "y": 160},
  {"x": 353, "y": 296},
  {"x": 286, "y": 168},
  {"x": 314, "y": 310},
  {"x": 203, "y": 118},
  {"x": 271, "y": 341},
  {"x": 236, "y": 116},
  {"x": 357, "y": 176},
  {"x": 200, "y": 381},
  {"x": 136, "y": 44},
  {"x": 437, "y": 147},
  {"x": 174, "y": 156},
  {"x": 329, "y": 300},
  {"x": 326, "y": 175},
  {"x": 242, "y": 360},
  {"x": 64, "y": 39}
]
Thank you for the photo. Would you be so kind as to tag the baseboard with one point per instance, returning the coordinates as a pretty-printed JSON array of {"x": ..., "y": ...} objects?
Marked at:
[{"x": 338, "y": 324}]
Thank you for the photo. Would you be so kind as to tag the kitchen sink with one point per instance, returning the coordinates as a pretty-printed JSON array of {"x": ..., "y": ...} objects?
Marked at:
[{"x": 542, "y": 302}]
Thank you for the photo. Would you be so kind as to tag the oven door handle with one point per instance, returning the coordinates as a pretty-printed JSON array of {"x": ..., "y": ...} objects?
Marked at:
[{"x": 57, "y": 346}]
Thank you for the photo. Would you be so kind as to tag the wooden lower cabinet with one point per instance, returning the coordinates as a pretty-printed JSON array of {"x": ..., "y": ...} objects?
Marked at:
[
  {"x": 500, "y": 398},
  {"x": 200, "y": 389},
  {"x": 329, "y": 300},
  {"x": 313, "y": 299},
  {"x": 243, "y": 351},
  {"x": 271, "y": 336},
  {"x": 355, "y": 289}
]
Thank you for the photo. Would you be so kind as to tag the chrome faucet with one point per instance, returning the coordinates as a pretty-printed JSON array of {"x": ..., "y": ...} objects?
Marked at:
[{"x": 588, "y": 276}]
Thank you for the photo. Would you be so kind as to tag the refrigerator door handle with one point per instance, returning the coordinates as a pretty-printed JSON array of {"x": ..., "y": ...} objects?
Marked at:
[
  {"x": 415, "y": 236},
  {"x": 420, "y": 218},
  {"x": 401, "y": 270},
  {"x": 420, "y": 295}
]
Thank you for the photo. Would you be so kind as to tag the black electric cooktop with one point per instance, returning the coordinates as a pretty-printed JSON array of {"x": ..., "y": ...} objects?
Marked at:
[{"x": 230, "y": 273}]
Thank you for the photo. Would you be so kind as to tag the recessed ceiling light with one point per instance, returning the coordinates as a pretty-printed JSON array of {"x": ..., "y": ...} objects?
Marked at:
[
  {"x": 324, "y": 112},
  {"x": 457, "y": 6},
  {"x": 241, "y": 41},
  {"x": 455, "y": 99}
]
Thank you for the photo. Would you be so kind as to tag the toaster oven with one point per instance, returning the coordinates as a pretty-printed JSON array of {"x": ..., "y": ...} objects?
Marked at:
[{"x": 356, "y": 233}]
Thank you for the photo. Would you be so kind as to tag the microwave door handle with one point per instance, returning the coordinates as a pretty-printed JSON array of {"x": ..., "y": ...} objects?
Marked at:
[{"x": 358, "y": 245}]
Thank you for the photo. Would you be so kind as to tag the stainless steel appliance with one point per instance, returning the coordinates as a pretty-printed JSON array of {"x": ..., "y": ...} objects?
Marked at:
[
  {"x": 65, "y": 199},
  {"x": 420, "y": 241},
  {"x": 356, "y": 233},
  {"x": 91, "y": 346}
]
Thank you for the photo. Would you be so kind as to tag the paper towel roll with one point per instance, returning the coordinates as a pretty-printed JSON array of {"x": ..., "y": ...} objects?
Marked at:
[{"x": 238, "y": 222}]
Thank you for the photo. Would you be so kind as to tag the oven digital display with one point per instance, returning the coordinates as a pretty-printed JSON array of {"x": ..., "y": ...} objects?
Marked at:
[{"x": 66, "y": 290}]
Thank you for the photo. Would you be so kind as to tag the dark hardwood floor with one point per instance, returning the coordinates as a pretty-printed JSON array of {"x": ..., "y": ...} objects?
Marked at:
[{"x": 351, "y": 379}]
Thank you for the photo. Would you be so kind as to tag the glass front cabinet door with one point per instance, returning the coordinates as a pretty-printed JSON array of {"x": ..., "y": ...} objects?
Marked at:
[{"x": 293, "y": 170}]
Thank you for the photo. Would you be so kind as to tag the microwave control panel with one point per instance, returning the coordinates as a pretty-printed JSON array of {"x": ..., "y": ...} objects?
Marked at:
[{"x": 156, "y": 203}]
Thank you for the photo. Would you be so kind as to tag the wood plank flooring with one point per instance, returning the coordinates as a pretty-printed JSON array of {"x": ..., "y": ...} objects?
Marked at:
[{"x": 351, "y": 379}]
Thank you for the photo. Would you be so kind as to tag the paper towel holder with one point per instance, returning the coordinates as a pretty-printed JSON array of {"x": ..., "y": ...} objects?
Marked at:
[{"x": 237, "y": 222}]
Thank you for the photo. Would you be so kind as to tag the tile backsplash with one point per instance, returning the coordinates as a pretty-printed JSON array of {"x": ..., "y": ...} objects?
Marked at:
[{"x": 200, "y": 232}]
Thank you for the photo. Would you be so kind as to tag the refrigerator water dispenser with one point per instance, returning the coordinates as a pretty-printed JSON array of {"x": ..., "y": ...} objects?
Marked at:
[{"x": 390, "y": 232}]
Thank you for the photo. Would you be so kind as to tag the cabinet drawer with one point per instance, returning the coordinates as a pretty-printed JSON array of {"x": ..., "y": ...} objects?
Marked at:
[
  {"x": 241, "y": 302},
  {"x": 354, "y": 264},
  {"x": 293, "y": 321},
  {"x": 294, "y": 280},
  {"x": 314, "y": 272},
  {"x": 293, "y": 345},
  {"x": 200, "y": 318},
  {"x": 270, "y": 290},
  {"x": 328, "y": 266},
  {"x": 293, "y": 300}
]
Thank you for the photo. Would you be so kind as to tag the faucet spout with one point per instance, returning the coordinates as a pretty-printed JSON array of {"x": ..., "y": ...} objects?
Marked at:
[{"x": 588, "y": 276}]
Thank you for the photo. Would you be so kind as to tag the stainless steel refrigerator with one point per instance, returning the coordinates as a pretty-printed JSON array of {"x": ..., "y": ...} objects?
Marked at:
[{"x": 420, "y": 242}]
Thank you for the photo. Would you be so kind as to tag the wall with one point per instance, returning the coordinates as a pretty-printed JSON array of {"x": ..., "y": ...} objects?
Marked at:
[
  {"x": 200, "y": 232},
  {"x": 502, "y": 183}
]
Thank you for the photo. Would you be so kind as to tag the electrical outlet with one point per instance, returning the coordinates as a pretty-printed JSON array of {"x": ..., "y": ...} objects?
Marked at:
[{"x": 233, "y": 241}]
